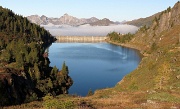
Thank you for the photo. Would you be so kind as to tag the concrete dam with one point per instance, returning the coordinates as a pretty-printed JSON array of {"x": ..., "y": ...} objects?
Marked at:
[{"x": 81, "y": 38}]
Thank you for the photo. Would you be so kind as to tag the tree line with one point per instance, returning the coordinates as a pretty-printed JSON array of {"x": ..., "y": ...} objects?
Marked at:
[{"x": 120, "y": 38}]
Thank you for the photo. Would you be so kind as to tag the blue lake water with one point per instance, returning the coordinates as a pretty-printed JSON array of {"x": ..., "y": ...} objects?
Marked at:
[{"x": 93, "y": 65}]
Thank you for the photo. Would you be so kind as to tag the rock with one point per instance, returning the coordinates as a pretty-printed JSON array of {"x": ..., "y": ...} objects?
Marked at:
[
  {"x": 178, "y": 77},
  {"x": 151, "y": 102}
]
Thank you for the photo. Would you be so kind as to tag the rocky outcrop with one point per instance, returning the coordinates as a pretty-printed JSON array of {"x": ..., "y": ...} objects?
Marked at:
[
  {"x": 35, "y": 19},
  {"x": 166, "y": 20}
]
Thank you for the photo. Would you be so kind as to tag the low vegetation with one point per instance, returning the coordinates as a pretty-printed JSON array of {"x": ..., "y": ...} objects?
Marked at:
[{"x": 154, "y": 84}]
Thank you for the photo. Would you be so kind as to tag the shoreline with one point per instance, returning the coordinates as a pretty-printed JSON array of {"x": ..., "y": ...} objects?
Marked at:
[
  {"x": 142, "y": 55},
  {"x": 129, "y": 46}
]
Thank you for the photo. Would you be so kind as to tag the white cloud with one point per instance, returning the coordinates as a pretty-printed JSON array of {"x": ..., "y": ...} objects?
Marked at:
[{"x": 87, "y": 30}]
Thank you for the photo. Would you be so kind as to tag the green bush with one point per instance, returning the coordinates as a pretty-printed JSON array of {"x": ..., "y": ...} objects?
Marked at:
[
  {"x": 50, "y": 102},
  {"x": 154, "y": 46}
]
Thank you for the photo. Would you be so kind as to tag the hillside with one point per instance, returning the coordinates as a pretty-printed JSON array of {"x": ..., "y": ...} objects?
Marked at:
[
  {"x": 25, "y": 74},
  {"x": 160, "y": 43},
  {"x": 143, "y": 21},
  {"x": 155, "y": 84},
  {"x": 159, "y": 71}
]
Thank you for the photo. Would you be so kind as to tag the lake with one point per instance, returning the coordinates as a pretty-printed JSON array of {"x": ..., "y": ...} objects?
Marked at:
[{"x": 93, "y": 65}]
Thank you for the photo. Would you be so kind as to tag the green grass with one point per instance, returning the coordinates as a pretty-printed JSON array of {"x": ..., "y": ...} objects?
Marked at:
[
  {"x": 164, "y": 96},
  {"x": 49, "y": 102}
]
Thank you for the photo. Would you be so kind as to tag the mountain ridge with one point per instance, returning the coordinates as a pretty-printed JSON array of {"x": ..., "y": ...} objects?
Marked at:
[
  {"x": 68, "y": 20},
  {"x": 143, "y": 21}
]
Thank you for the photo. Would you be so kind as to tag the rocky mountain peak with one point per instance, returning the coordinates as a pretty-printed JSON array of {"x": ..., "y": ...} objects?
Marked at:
[
  {"x": 65, "y": 14},
  {"x": 106, "y": 19},
  {"x": 65, "y": 19},
  {"x": 103, "y": 22}
]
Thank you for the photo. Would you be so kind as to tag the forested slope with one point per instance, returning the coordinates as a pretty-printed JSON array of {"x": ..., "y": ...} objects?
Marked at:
[{"x": 25, "y": 74}]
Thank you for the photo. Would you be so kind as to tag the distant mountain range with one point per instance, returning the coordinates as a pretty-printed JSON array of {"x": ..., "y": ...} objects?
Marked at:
[
  {"x": 69, "y": 20},
  {"x": 103, "y": 22},
  {"x": 93, "y": 21}
]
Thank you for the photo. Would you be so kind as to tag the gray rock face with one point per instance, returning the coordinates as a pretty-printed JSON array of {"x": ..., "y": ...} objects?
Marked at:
[
  {"x": 66, "y": 19},
  {"x": 163, "y": 23},
  {"x": 168, "y": 19},
  {"x": 35, "y": 19}
]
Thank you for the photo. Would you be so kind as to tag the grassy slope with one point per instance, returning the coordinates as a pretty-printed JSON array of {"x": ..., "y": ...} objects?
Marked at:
[
  {"x": 167, "y": 51},
  {"x": 140, "y": 88}
]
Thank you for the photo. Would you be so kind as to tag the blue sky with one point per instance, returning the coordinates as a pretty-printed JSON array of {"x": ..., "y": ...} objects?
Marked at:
[{"x": 116, "y": 10}]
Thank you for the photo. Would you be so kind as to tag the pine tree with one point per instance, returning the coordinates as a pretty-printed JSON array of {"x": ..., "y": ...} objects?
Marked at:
[
  {"x": 49, "y": 84},
  {"x": 54, "y": 72},
  {"x": 36, "y": 71},
  {"x": 90, "y": 92},
  {"x": 15, "y": 28},
  {"x": 64, "y": 69},
  {"x": 19, "y": 59}
]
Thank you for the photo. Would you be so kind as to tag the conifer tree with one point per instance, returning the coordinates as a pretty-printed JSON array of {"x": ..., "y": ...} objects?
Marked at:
[
  {"x": 64, "y": 69},
  {"x": 36, "y": 71},
  {"x": 90, "y": 92}
]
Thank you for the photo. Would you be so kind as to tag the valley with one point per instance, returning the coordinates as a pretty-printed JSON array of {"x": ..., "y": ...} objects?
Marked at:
[{"x": 153, "y": 84}]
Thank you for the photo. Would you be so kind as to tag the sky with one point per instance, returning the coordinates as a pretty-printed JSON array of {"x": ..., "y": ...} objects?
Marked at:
[{"x": 115, "y": 10}]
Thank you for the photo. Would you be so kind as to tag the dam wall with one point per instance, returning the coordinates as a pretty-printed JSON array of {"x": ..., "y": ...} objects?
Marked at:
[{"x": 81, "y": 38}]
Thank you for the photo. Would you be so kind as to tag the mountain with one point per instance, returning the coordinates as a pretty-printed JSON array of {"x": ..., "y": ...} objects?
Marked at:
[
  {"x": 160, "y": 44},
  {"x": 68, "y": 20},
  {"x": 143, "y": 21},
  {"x": 155, "y": 84},
  {"x": 157, "y": 78},
  {"x": 158, "y": 73},
  {"x": 103, "y": 22}
]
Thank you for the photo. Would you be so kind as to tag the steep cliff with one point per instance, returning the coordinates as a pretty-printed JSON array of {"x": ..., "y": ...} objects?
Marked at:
[{"x": 167, "y": 21}]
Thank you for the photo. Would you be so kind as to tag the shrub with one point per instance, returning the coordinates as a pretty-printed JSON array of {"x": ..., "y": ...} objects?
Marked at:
[{"x": 50, "y": 102}]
